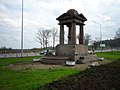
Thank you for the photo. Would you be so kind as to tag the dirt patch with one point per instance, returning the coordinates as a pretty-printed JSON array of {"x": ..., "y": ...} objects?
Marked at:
[
  {"x": 39, "y": 65},
  {"x": 105, "y": 77}
]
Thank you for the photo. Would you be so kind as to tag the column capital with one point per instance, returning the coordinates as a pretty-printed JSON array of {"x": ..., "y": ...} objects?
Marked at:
[{"x": 81, "y": 24}]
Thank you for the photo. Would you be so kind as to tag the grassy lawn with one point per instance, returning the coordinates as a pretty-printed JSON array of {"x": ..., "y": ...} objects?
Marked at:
[
  {"x": 104, "y": 77},
  {"x": 6, "y": 61},
  {"x": 29, "y": 79},
  {"x": 115, "y": 55},
  {"x": 32, "y": 79}
]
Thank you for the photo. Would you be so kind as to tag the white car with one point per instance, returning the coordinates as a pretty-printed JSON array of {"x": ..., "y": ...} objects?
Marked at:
[{"x": 43, "y": 52}]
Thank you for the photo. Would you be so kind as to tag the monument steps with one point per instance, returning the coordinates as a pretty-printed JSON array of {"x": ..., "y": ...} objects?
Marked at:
[
  {"x": 63, "y": 59},
  {"x": 54, "y": 59}
]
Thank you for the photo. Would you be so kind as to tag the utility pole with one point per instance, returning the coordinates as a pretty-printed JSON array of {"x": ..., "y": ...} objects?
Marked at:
[
  {"x": 100, "y": 34},
  {"x": 22, "y": 32}
]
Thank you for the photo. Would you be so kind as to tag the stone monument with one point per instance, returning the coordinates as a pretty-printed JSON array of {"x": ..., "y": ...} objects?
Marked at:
[
  {"x": 71, "y": 18},
  {"x": 70, "y": 51}
]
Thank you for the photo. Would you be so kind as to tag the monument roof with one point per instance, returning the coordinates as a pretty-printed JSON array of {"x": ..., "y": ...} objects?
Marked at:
[{"x": 71, "y": 13}]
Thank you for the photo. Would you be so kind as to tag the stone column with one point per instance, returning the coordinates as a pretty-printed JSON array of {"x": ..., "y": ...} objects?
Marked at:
[
  {"x": 61, "y": 34},
  {"x": 69, "y": 34},
  {"x": 81, "y": 35},
  {"x": 73, "y": 33}
]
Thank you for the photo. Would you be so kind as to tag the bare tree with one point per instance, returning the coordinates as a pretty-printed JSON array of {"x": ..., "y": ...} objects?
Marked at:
[
  {"x": 40, "y": 37},
  {"x": 43, "y": 36},
  {"x": 117, "y": 34},
  {"x": 96, "y": 43},
  {"x": 47, "y": 35},
  {"x": 87, "y": 39},
  {"x": 117, "y": 39},
  {"x": 54, "y": 35},
  {"x": 78, "y": 37}
]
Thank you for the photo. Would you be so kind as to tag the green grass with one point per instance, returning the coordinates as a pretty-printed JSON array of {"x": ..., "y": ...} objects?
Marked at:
[
  {"x": 31, "y": 78},
  {"x": 115, "y": 55},
  {"x": 6, "y": 61}
]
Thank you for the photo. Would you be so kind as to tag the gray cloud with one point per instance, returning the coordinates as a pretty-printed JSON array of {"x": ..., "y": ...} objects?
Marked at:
[{"x": 43, "y": 13}]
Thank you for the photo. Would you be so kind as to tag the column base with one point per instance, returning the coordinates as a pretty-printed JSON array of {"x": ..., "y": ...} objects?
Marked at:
[{"x": 74, "y": 51}]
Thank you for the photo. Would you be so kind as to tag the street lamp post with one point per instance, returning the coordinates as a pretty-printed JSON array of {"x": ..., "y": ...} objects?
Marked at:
[
  {"x": 100, "y": 34},
  {"x": 22, "y": 32}
]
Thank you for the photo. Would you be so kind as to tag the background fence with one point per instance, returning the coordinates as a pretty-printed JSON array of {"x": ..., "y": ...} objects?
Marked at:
[{"x": 17, "y": 53}]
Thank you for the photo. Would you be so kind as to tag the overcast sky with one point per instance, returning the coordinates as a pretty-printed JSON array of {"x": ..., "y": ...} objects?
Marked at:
[{"x": 43, "y": 13}]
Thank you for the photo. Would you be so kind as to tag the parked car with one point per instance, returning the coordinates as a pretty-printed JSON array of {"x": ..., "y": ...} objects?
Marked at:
[{"x": 43, "y": 52}]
